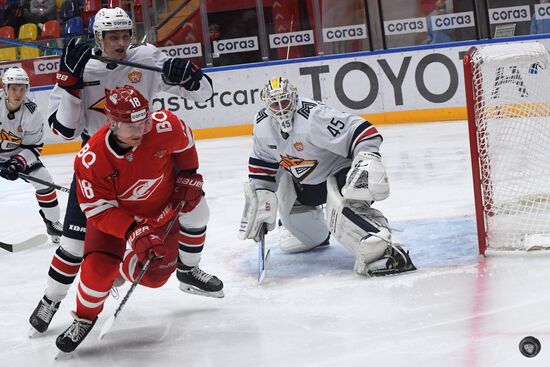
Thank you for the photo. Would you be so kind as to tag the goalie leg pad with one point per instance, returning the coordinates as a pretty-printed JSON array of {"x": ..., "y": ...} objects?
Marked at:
[
  {"x": 303, "y": 229},
  {"x": 362, "y": 230}
]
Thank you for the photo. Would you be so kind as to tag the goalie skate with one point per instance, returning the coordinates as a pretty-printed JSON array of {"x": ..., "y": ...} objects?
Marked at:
[{"x": 395, "y": 261}]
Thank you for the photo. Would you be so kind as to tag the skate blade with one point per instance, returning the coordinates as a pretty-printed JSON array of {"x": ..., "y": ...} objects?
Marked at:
[
  {"x": 60, "y": 356},
  {"x": 33, "y": 332},
  {"x": 199, "y": 292},
  {"x": 390, "y": 272}
]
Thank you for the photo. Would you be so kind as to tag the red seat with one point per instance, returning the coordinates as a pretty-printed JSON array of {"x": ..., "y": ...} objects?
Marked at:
[
  {"x": 7, "y": 54},
  {"x": 92, "y": 5},
  {"x": 7, "y": 32},
  {"x": 51, "y": 29}
]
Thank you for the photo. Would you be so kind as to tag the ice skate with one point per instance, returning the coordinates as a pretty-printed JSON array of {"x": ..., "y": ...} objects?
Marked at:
[
  {"x": 54, "y": 229},
  {"x": 195, "y": 281},
  {"x": 42, "y": 316},
  {"x": 71, "y": 338}
]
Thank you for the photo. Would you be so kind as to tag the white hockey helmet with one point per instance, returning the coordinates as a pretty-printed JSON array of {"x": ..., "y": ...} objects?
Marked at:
[
  {"x": 280, "y": 98},
  {"x": 15, "y": 75},
  {"x": 108, "y": 19}
]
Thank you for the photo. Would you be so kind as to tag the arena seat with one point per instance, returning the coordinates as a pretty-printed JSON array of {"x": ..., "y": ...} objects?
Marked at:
[
  {"x": 27, "y": 33},
  {"x": 51, "y": 29},
  {"x": 91, "y": 7},
  {"x": 73, "y": 28},
  {"x": 10, "y": 53}
]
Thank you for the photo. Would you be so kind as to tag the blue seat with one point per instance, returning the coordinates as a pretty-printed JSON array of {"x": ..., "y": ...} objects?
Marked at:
[
  {"x": 91, "y": 39},
  {"x": 73, "y": 28}
]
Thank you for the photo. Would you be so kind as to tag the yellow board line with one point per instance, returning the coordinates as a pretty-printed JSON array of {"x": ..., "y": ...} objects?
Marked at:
[{"x": 431, "y": 115}]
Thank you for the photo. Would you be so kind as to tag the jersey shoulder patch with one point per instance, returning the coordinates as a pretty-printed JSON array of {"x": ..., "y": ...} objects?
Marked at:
[
  {"x": 31, "y": 106},
  {"x": 261, "y": 115},
  {"x": 306, "y": 107}
]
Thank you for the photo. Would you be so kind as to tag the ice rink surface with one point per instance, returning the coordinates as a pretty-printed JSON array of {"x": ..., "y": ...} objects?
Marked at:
[{"x": 458, "y": 309}]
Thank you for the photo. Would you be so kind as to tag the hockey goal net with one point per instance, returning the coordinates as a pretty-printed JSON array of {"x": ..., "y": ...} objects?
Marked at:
[{"x": 508, "y": 99}]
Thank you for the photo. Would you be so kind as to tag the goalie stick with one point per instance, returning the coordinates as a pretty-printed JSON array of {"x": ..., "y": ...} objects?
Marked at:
[
  {"x": 111, "y": 320},
  {"x": 263, "y": 256},
  {"x": 26, "y": 244}
]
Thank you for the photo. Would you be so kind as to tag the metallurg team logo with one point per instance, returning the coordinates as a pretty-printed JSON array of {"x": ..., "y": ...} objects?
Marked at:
[
  {"x": 134, "y": 76},
  {"x": 8, "y": 141},
  {"x": 142, "y": 189},
  {"x": 299, "y": 168},
  {"x": 99, "y": 106}
]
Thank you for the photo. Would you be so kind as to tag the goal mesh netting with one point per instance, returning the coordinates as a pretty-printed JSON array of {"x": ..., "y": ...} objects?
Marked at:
[{"x": 508, "y": 97}]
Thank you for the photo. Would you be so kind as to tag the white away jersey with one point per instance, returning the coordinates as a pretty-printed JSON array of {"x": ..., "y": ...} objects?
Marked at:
[
  {"x": 69, "y": 115},
  {"x": 21, "y": 132},
  {"x": 322, "y": 142}
]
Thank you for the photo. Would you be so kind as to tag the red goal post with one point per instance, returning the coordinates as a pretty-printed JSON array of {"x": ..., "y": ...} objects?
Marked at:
[{"x": 508, "y": 101}]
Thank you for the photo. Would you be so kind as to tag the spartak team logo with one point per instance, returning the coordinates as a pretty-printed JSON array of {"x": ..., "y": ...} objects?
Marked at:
[
  {"x": 299, "y": 168},
  {"x": 142, "y": 189},
  {"x": 134, "y": 76}
]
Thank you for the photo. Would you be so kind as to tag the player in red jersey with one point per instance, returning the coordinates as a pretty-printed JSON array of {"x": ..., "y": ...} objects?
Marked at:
[{"x": 130, "y": 178}]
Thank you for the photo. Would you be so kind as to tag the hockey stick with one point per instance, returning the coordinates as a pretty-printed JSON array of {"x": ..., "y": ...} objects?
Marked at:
[
  {"x": 24, "y": 245},
  {"x": 43, "y": 182},
  {"x": 104, "y": 59},
  {"x": 263, "y": 256},
  {"x": 111, "y": 320}
]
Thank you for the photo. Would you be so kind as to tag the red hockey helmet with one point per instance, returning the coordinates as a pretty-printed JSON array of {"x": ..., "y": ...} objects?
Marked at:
[{"x": 127, "y": 109}]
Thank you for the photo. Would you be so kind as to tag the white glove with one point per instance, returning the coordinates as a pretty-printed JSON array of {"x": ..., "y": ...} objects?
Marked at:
[
  {"x": 366, "y": 179},
  {"x": 260, "y": 207}
]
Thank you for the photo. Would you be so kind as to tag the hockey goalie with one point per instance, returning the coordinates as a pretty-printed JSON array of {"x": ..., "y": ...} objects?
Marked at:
[{"x": 306, "y": 154}]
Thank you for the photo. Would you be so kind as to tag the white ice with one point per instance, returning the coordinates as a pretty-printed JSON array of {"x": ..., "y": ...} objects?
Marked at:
[{"x": 458, "y": 309}]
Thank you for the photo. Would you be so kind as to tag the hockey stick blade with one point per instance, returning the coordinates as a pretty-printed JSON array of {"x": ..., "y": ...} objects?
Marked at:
[
  {"x": 263, "y": 257},
  {"x": 106, "y": 326},
  {"x": 265, "y": 265},
  {"x": 24, "y": 245}
]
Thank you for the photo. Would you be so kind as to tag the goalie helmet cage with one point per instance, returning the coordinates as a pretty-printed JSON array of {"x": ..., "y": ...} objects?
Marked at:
[{"x": 508, "y": 101}]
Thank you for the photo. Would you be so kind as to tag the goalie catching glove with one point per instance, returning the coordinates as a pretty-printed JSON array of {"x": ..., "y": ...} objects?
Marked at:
[
  {"x": 260, "y": 207},
  {"x": 366, "y": 179}
]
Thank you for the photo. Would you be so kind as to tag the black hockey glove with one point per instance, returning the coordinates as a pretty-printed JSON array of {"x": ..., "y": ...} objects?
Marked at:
[
  {"x": 72, "y": 63},
  {"x": 181, "y": 72},
  {"x": 15, "y": 165}
]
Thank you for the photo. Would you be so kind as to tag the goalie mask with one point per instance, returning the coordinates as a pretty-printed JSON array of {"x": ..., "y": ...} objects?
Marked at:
[
  {"x": 280, "y": 98},
  {"x": 15, "y": 96},
  {"x": 127, "y": 112},
  {"x": 110, "y": 20}
]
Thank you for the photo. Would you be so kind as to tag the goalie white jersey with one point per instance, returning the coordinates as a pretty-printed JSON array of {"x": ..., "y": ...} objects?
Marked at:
[
  {"x": 21, "y": 132},
  {"x": 71, "y": 114},
  {"x": 322, "y": 142}
]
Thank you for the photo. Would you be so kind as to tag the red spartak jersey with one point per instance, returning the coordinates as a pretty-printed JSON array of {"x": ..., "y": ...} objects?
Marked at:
[{"x": 114, "y": 190}]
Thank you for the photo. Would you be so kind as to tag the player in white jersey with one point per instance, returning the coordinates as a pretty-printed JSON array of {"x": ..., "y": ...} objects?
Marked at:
[
  {"x": 76, "y": 108},
  {"x": 21, "y": 141},
  {"x": 306, "y": 154}
]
